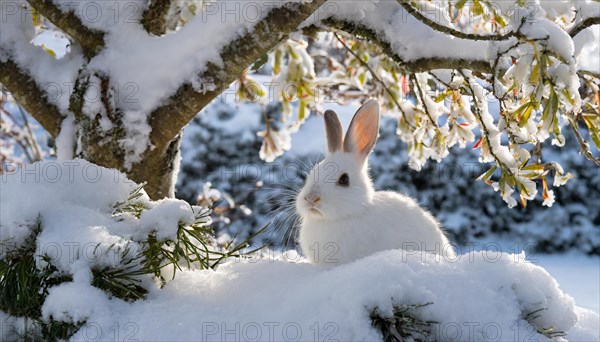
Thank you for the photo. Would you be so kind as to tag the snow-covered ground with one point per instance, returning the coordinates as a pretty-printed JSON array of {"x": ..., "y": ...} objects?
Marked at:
[
  {"x": 278, "y": 300},
  {"x": 475, "y": 297}
]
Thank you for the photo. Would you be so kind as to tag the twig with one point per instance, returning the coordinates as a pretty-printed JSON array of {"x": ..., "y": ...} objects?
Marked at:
[
  {"x": 415, "y": 65},
  {"x": 484, "y": 128},
  {"x": 453, "y": 32},
  {"x": 584, "y": 145},
  {"x": 583, "y": 25},
  {"x": 31, "y": 140},
  {"x": 415, "y": 83},
  {"x": 375, "y": 76}
]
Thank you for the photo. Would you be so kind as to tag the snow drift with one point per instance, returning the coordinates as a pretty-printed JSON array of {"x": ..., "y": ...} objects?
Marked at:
[{"x": 476, "y": 296}]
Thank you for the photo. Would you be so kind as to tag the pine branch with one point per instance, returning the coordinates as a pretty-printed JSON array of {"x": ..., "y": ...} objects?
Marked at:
[
  {"x": 30, "y": 96},
  {"x": 91, "y": 41}
]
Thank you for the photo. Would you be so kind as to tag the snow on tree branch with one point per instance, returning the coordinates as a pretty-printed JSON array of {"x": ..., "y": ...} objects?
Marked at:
[
  {"x": 154, "y": 17},
  {"x": 35, "y": 77},
  {"x": 235, "y": 57},
  {"x": 30, "y": 96},
  {"x": 519, "y": 58},
  {"x": 449, "y": 30},
  {"x": 418, "y": 64},
  {"x": 91, "y": 40},
  {"x": 583, "y": 25},
  {"x": 406, "y": 34},
  {"x": 587, "y": 14}
]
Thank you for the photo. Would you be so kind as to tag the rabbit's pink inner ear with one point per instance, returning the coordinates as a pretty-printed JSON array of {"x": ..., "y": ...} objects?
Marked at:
[
  {"x": 363, "y": 130},
  {"x": 334, "y": 131}
]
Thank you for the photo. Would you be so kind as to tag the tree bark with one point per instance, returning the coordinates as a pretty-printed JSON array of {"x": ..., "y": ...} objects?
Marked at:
[
  {"x": 154, "y": 18},
  {"x": 159, "y": 162},
  {"x": 30, "y": 96},
  {"x": 168, "y": 120}
]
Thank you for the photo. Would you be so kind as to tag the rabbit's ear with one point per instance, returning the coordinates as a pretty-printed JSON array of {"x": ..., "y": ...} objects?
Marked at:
[
  {"x": 363, "y": 130},
  {"x": 334, "y": 131}
]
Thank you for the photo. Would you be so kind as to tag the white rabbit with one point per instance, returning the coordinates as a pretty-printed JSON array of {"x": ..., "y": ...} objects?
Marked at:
[{"x": 343, "y": 218}]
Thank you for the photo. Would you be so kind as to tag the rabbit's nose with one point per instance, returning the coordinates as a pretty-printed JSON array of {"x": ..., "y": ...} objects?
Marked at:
[{"x": 313, "y": 200}]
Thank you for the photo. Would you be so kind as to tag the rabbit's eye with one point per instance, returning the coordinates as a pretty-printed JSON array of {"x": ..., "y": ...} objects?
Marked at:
[{"x": 344, "y": 180}]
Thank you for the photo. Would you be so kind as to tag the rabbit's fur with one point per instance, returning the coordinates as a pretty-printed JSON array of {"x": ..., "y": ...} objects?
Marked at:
[{"x": 343, "y": 218}]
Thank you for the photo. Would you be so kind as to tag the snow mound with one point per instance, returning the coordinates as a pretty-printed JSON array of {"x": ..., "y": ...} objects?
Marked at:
[
  {"x": 477, "y": 296},
  {"x": 66, "y": 194},
  {"x": 75, "y": 202}
]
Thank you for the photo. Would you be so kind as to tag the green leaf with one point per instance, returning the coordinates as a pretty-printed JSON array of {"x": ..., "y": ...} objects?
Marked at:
[
  {"x": 593, "y": 129},
  {"x": 535, "y": 73},
  {"x": 477, "y": 8},
  {"x": 460, "y": 4},
  {"x": 549, "y": 113},
  {"x": 534, "y": 167},
  {"x": 442, "y": 95},
  {"x": 260, "y": 62},
  {"x": 510, "y": 180},
  {"x": 488, "y": 174},
  {"x": 36, "y": 18},
  {"x": 302, "y": 111},
  {"x": 277, "y": 63},
  {"x": 568, "y": 96},
  {"x": 193, "y": 8},
  {"x": 543, "y": 64},
  {"x": 49, "y": 51},
  {"x": 500, "y": 20},
  {"x": 526, "y": 113},
  {"x": 361, "y": 78}
]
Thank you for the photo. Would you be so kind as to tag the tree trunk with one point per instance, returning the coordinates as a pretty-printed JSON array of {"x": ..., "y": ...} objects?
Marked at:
[{"x": 102, "y": 147}]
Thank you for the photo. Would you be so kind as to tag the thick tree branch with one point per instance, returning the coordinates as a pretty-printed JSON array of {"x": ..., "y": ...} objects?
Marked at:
[
  {"x": 91, "y": 41},
  {"x": 411, "y": 66},
  {"x": 32, "y": 98},
  {"x": 169, "y": 119},
  {"x": 154, "y": 18},
  {"x": 582, "y": 25}
]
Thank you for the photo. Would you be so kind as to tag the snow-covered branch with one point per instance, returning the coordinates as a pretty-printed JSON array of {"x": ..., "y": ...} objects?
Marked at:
[
  {"x": 401, "y": 35},
  {"x": 30, "y": 96},
  {"x": 36, "y": 78},
  {"x": 91, "y": 40},
  {"x": 167, "y": 120},
  {"x": 154, "y": 17},
  {"x": 587, "y": 13},
  {"x": 418, "y": 64},
  {"x": 449, "y": 30},
  {"x": 583, "y": 25}
]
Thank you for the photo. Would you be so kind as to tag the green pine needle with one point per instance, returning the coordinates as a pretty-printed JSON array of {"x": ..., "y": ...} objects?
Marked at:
[{"x": 404, "y": 325}]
